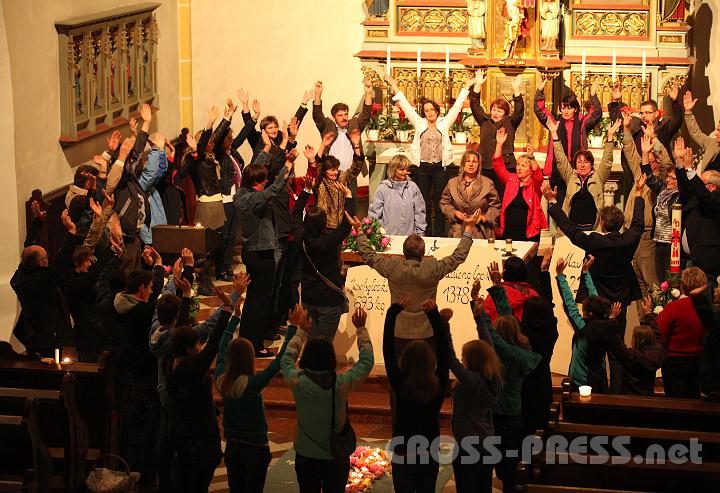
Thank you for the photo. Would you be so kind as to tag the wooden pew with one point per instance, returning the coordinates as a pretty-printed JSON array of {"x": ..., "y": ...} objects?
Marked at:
[
  {"x": 561, "y": 469},
  {"x": 639, "y": 411},
  {"x": 25, "y": 461},
  {"x": 60, "y": 426}
]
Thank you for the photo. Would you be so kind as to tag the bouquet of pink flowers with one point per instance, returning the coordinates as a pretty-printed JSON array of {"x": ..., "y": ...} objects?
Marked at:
[
  {"x": 665, "y": 293},
  {"x": 375, "y": 233},
  {"x": 366, "y": 465}
]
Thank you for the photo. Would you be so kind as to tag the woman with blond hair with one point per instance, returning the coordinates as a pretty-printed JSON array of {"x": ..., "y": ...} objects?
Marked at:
[
  {"x": 247, "y": 449},
  {"x": 682, "y": 334},
  {"x": 467, "y": 193},
  {"x": 479, "y": 382},
  {"x": 398, "y": 204}
]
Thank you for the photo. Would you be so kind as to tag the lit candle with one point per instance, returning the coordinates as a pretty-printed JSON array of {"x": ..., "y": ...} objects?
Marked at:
[
  {"x": 66, "y": 360},
  {"x": 676, "y": 223},
  {"x": 585, "y": 390},
  {"x": 508, "y": 245},
  {"x": 418, "y": 62},
  {"x": 614, "y": 61},
  {"x": 447, "y": 62},
  {"x": 582, "y": 67},
  {"x": 57, "y": 356},
  {"x": 644, "y": 66}
]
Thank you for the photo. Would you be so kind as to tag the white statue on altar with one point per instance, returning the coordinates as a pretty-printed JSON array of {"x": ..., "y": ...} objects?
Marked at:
[
  {"x": 514, "y": 16},
  {"x": 476, "y": 22},
  {"x": 550, "y": 24}
]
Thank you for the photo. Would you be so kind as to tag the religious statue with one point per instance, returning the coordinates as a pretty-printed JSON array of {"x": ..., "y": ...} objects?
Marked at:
[
  {"x": 550, "y": 24},
  {"x": 378, "y": 8},
  {"x": 514, "y": 20},
  {"x": 476, "y": 22}
]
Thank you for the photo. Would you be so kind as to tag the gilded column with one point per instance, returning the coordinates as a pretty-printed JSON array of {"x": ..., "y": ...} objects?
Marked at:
[{"x": 185, "y": 55}]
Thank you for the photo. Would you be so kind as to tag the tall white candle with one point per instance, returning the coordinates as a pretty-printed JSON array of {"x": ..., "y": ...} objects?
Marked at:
[
  {"x": 387, "y": 63},
  {"x": 644, "y": 66},
  {"x": 418, "y": 62},
  {"x": 614, "y": 64},
  {"x": 447, "y": 62},
  {"x": 582, "y": 67},
  {"x": 57, "y": 356}
]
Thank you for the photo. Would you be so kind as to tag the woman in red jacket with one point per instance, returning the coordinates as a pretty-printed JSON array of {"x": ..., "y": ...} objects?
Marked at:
[{"x": 521, "y": 217}]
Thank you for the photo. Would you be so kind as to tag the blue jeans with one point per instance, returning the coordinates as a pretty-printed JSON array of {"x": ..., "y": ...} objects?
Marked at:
[
  {"x": 325, "y": 320},
  {"x": 247, "y": 466}
]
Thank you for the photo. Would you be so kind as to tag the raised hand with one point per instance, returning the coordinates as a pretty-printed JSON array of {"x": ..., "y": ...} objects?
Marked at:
[
  {"x": 340, "y": 187},
  {"x": 587, "y": 263},
  {"x": 255, "y": 109},
  {"x": 239, "y": 306},
  {"x": 594, "y": 87},
  {"x": 475, "y": 290},
  {"x": 529, "y": 150},
  {"x": 184, "y": 285},
  {"x": 616, "y": 91},
  {"x": 191, "y": 142},
  {"x": 368, "y": 87},
  {"x": 547, "y": 259},
  {"x": 627, "y": 119},
  {"x": 133, "y": 126},
  {"x": 95, "y": 207},
  {"x": 291, "y": 155},
  {"x": 446, "y": 314},
  {"x": 67, "y": 222},
  {"x": 516, "y": 85},
  {"x": 479, "y": 79},
  {"x": 213, "y": 114},
  {"x": 309, "y": 153},
  {"x": 688, "y": 158},
  {"x": 309, "y": 183},
  {"x": 113, "y": 141},
  {"x": 550, "y": 194},
  {"x": 146, "y": 112},
  {"x": 157, "y": 259},
  {"x": 177, "y": 269},
  {"x": 354, "y": 221},
  {"x": 646, "y": 144},
  {"x": 355, "y": 137},
  {"x": 98, "y": 159},
  {"x": 37, "y": 212},
  {"x": 266, "y": 140},
  {"x": 649, "y": 129},
  {"x": 359, "y": 317},
  {"x": 673, "y": 91},
  {"x": 553, "y": 126},
  {"x": 230, "y": 108},
  {"x": 293, "y": 128},
  {"x": 328, "y": 139},
  {"x": 241, "y": 282},
  {"x": 639, "y": 184},
  {"x": 242, "y": 96},
  {"x": 125, "y": 148},
  {"x": 391, "y": 82},
  {"x": 614, "y": 126},
  {"x": 186, "y": 255},
  {"x": 470, "y": 83},
  {"x": 689, "y": 102},
  {"x": 158, "y": 140},
  {"x": 615, "y": 310},
  {"x": 318, "y": 90},
  {"x": 679, "y": 148},
  {"x": 298, "y": 318},
  {"x": 494, "y": 273},
  {"x": 542, "y": 84},
  {"x": 560, "y": 266},
  {"x": 308, "y": 96},
  {"x": 500, "y": 136},
  {"x": 646, "y": 305},
  {"x": 223, "y": 296},
  {"x": 284, "y": 134}
]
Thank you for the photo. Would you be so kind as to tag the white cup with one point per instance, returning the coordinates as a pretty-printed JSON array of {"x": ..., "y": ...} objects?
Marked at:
[{"x": 585, "y": 390}]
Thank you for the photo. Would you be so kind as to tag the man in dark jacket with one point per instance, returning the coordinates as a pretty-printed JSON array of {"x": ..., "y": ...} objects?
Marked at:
[
  {"x": 134, "y": 310},
  {"x": 612, "y": 272}
]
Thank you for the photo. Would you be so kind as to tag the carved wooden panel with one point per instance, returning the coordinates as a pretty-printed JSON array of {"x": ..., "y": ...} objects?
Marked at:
[
  {"x": 630, "y": 84},
  {"x": 431, "y": 20},
  {"x": 610, "y": 23}
]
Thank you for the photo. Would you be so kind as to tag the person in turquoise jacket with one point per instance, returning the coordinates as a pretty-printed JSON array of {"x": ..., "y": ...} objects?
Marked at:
[
  {"x": 514, "y": 351},
  {"x": 247, "y": 449},
  {"x": 312, "y": 384}
]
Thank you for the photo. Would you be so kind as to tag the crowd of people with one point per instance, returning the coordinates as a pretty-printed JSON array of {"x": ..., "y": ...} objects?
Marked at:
[{"x": 106, "y": 290}]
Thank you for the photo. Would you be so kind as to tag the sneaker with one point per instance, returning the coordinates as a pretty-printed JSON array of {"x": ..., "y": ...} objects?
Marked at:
[{"x": 264, "y": 353}]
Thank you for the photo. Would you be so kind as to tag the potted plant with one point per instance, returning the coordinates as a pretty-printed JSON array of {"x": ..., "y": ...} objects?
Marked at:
[
  {"x": 402, "y": 127},
  {"x": 460, "y": 127},
  {"x": 598, "y": 133},
  {"x": 373, "y": 126}
]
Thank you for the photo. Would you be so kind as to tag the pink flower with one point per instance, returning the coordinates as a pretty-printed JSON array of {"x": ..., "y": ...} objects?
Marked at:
[
  {"x": 368, "y": 231},
  {"x": 367, "y": 220},
  {"x": 385, "y": 241},
  {"x": 354, "y": 232},
  {"x": 664, "y": 286},
  {"x": 344, "y": 242}
]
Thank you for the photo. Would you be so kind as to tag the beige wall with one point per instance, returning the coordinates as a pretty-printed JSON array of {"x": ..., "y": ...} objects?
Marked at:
[
  {"x": 30, "y": 120},
  {"x": 276, "y": 51}
]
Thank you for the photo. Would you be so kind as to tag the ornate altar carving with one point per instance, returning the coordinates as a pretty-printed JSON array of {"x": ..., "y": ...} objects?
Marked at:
[
  {"x": 432, "y": 20},
  {"x": 108, "y": 69}
]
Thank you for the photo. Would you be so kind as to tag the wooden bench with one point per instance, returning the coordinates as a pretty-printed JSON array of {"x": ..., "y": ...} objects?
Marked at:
[
  {"x": 639, "y": 411},
  {"x": 25, "y": 462},
  {"x": 578, "y": 472},
  {"x": 60, "y": 426}
]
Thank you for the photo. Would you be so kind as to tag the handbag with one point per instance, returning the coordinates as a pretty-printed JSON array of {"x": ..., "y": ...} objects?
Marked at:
[
  {"x": 345, "y": 301},
  {"x": 344, "y": 442}
]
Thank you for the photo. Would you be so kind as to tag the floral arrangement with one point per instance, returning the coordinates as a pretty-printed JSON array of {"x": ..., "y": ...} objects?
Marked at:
[
  {"x": 463, "y": 122},
  {"x": 402, "y": 122},
  {"x": 665, "y": 293},
  {"x": 366, "y": 465},
  {"x": 375, "y": 233},
  {"x": 377, "y": 119}
]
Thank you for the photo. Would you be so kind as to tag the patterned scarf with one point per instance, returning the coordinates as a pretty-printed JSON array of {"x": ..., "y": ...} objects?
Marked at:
[{"x": 332, "y": 201}]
